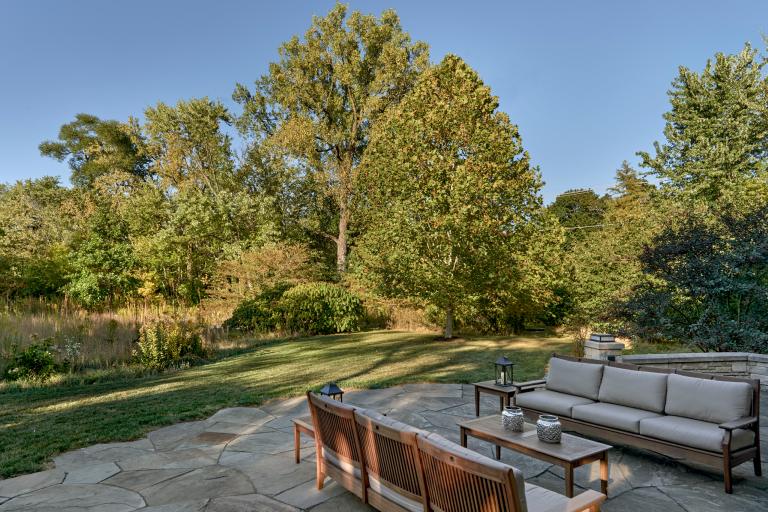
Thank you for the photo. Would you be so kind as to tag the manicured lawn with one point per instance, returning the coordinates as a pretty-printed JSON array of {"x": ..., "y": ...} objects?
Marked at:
[{"x": 38, "y": 423}]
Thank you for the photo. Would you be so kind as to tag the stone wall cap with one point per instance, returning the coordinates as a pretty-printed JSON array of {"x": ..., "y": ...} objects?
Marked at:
[
  {"x": 683, "y": 357},
  {"x": 604, "y": 345},
  {"x": 758, "y": 358}
]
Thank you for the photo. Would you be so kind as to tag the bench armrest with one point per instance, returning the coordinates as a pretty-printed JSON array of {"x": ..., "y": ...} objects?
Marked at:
[
  {"x": 529, "y": 384},
  {"x": 739, "y": 423},
  {"x": 588, "y": 500}
]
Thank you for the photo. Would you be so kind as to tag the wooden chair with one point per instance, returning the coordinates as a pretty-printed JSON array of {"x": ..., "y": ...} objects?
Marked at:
[
  {"x": 337, "y": 441},
  {"x": 395, "y": 483},
  {"x": 459, "y": 480}
]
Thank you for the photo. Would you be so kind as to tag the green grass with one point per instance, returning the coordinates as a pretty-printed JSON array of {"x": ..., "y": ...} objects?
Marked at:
[{"x": 37, "y": 423}]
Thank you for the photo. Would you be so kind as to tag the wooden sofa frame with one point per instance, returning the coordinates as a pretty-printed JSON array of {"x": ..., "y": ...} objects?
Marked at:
[{"x": 727, "y": 459}]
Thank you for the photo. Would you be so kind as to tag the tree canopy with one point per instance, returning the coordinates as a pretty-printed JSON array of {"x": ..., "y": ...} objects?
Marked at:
[{"x": 449, "y": 189}]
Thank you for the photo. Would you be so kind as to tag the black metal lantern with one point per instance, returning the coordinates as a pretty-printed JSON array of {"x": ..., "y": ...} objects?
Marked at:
[
  {"x": 333, "y": 391},
  {"x": 504, "y": 371}
]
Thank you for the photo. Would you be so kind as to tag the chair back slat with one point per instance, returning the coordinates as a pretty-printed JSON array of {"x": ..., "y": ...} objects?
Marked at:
[
  {"x": 335, "y": 428},
  {"x": 390, "y": 453},
  {"x": 458, "y": 480}
]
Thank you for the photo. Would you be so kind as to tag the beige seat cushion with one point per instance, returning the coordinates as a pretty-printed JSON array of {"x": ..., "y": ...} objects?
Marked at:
[
  {"x": 394, "y": 496},
  {"x": 552, "y": 402},
  {"x": 612, "y": 415},
  {"x": 332, "y": 458},
  {"x": 715, "y": 401},
  {"x": 633, "y": 388},
  {"x": 539, "y": 498},
  {"x": 694, "y": 433},
  {"x": 574, "y": 378}
]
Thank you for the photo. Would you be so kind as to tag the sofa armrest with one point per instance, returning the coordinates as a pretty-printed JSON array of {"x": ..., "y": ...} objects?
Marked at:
[
  {"x": 529, "y": 385},
  {"x": 588, "y": 500},
  {"x": 739, "y": 423}
]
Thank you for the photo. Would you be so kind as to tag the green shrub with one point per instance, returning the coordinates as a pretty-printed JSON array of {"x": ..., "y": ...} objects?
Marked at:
[
  {"x": 260, "y": 314},
  {"x": 320, "y": 308},
  {"x": 36, "y": 362},
  {"x": 164, "y": 344}
]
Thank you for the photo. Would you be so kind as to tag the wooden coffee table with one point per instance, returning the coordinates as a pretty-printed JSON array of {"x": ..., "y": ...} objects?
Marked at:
[{"x": 569, "y": 454}]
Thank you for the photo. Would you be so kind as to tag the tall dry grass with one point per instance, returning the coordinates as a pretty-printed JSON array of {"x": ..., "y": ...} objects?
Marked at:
[{"x": 94, "y": 339}]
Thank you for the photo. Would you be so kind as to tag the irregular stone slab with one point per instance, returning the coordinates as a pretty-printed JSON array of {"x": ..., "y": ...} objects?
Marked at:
[
  {"x": 248, "y": 503},
  {"x": 435, "y": 390},
  {"x": 552, "y": 482},
  {"x": 79, "y": 458},
  {"x": 32, "y": 482},
  {"x": 372, "y": 397},
  {"x": 270, "y": 474},
  {"x": 642, "y": 499},
  {"x": 184, "y": 506},
  {"x": 411, "y": 418},
  {"x": 207, "y": 482},
  {"x": 643, "y": 469},
  {"x": 224, "y": 427},
  {"x": 307, "y": 495},
  {"x": 169, "y": 438},
  {"x": 250, "y": 416},
  {"x": 711, "y": 497},
  {"x": 92, "y": 474},
  {"x": 440, "y": 420},
  {"x": 346, "y": 502},
  {"x": 268, "y": 443},
  {"x": 140, "y": 480},
  {"x": 180, "y": 459},
  {"x": 77, "y": 497}
]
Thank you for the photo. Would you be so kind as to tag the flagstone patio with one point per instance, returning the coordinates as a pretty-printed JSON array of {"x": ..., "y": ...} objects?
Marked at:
[{"x": 241, "y": 459}]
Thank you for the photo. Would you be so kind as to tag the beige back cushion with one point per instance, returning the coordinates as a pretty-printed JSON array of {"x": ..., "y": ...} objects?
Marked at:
[
  {"x": 632, "y": 388},
  {"x": 574, "y": 378},
  {"x": 715, "y": 401}
]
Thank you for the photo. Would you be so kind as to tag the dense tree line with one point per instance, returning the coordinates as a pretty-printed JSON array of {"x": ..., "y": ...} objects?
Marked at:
[{"x": 365, "y": 164}]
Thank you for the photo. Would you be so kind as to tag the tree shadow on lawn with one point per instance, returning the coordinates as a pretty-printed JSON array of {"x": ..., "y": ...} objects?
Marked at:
[{"x": 36, "y": 430}]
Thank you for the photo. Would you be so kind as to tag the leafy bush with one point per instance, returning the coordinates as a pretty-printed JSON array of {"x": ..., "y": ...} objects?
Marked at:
[
  {"x": 164, "y": 344},
  {"x": 36, "y": 362},
  {"x": 320, "y": 308},
  {"x": 260, "y": 314}
]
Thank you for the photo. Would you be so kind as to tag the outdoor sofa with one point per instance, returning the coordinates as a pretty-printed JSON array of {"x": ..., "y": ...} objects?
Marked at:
[
  {"x": 696, "y": 417},
  {"x": 394, "y": 467}
]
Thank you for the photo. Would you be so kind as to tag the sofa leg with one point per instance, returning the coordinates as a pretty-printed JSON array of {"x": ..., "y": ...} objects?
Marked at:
[
  {"x": 758, "y": 465},
  {"x": 727, "y": 476}
]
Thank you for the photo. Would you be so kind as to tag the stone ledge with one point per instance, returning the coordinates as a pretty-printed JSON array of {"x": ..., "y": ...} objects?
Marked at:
[{"x": 703, "y": 357}]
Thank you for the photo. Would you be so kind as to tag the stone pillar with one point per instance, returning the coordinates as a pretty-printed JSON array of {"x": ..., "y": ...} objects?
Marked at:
[{"x": 602, "y": 346}]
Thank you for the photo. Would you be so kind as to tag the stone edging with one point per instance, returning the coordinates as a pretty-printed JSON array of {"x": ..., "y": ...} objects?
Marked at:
[{"x": 737, "y": 364}]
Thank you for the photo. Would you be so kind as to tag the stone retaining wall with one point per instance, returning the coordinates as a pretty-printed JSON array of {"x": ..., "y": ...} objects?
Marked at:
[{"x": 737, "y": 364}]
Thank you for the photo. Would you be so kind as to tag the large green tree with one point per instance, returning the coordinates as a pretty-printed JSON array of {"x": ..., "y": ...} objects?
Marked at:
[
  {"x": 94, "y": 147},
  {"x": 316, "y": 106},
  {"x": 450, "y": 191},
  {"x": 716, "y": 149},
  {"x": 579, "y": 211}
]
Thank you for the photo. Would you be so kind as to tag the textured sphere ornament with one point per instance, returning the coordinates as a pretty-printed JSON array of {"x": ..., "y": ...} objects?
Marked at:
[
  {"x": 512, "y": 419},
  {"x": 549, "y": 429}
]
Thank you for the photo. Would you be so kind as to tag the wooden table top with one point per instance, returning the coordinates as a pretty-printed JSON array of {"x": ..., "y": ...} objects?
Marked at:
[
  {"x": 570, "y": 449},
  {"x": 491, "y": 384}
]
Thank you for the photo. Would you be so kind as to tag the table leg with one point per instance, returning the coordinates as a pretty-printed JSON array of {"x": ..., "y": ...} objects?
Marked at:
[
  {"x": 463, "y": 437},
  {"x": 569, "y": 480},
  {"x": 498, "y": 452},
  {"x": 477, "y": 401},
  {"x": 297, "y": 443},
  {"x": 604, "y": 474},
  {"x": 501, "y": 402}
]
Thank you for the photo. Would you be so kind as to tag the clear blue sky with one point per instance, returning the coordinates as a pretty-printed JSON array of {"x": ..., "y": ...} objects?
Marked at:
[{"x": 585, "y": 81}]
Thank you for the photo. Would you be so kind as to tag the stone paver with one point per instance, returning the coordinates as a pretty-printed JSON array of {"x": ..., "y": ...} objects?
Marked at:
[{"x": 241, "y": 459}]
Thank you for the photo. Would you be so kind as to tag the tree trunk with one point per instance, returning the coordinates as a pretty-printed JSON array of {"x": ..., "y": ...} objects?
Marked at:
[
  {"x": 341, "y": 241},
  {"x": 449, "y": 322}
]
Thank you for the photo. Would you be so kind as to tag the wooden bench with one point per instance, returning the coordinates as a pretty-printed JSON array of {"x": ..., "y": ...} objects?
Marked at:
[{"x": 394, "y": 467}]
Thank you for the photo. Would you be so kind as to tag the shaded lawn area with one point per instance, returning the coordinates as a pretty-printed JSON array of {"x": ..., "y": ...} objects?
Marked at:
[{"x": 41, "y": 422}]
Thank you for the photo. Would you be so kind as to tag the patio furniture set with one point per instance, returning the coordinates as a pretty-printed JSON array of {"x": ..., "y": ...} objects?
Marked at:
[{"x": 395, "y": 467}]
